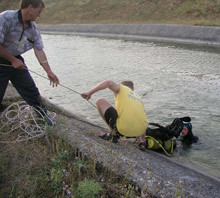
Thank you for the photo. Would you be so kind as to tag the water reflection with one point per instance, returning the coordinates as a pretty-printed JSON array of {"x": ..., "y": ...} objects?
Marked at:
[{"x": 173, "y": 79}]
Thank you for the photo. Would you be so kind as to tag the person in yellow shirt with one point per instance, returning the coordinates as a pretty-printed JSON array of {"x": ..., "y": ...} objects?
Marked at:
[{"x": 128, "y": 118}]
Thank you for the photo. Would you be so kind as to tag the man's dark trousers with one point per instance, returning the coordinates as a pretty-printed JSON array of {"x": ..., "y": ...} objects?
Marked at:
[{"x": 23, "y": 83}]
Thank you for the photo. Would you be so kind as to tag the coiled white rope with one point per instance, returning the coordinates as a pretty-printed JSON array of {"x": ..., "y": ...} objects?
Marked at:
[
  {"x": 21, "y": 122},
  {"x": 26, "y": 119}
]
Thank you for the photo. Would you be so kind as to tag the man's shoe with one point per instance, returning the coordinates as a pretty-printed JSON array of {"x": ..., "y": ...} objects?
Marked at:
[
  {"x": 108, "y": 136},
  {"x": 49, "y": 121}
]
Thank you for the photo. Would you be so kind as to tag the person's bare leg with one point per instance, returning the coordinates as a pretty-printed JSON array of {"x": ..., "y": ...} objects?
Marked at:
[
  {"x": 141, "y": 141},
  {"x": 102, "y": 105},
  {"x": 141, "y": 138}
]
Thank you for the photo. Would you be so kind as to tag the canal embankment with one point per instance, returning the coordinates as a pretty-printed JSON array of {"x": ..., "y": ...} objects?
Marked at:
[
  {"x": 154, "y": 173},
  {"x": 164, "y": 32}
]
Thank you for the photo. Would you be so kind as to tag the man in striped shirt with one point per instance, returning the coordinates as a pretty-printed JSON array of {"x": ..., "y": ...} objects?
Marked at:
[{"x": 18, "y": 34}]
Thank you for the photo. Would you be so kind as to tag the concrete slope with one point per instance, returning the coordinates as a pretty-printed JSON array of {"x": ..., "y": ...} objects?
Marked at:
[{"x": 176, "y": 33}]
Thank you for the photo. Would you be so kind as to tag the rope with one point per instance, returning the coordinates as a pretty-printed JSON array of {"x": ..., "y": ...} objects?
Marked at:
[
  {"x": 5, "y": 65},
  {"x": 24, "y": 121}
]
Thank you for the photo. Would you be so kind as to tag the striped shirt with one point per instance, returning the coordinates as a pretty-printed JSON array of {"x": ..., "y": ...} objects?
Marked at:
[{"x": 14, "y": 38}]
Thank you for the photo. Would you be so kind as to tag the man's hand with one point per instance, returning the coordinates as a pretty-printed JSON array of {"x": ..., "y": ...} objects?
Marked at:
[
  {"x": 18, "y": 64},
  {"x": 15, "y": 62},
  {"x": 86, "y": 95},
  {"x": 100, "y": 86},
  {"x": 54, "y": 81}
]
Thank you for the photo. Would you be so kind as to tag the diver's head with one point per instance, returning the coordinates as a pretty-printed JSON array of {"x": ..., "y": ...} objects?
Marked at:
[
  {"x": 184, "y": 132},
  {"x": 187, "y": 135},
  {"x": 186, "y": 128}
]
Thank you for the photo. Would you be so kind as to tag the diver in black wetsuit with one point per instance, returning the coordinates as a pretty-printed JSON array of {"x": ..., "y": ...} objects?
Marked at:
[{"x": 180, "y": 127}]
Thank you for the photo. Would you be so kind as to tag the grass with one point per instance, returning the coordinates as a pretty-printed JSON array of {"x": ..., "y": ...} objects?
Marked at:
[
  {"x": 189, "y": 12},
  {"x": 50, "y": 167}
]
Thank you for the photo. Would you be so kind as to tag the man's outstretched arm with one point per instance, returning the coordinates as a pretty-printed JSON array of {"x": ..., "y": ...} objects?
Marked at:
[
  {"x": 100, "y": 86},
  {"x": 42, "y": 59}
]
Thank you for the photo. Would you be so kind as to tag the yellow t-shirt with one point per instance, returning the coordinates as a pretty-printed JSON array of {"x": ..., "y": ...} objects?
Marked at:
[{"x": 132, "y": 119}]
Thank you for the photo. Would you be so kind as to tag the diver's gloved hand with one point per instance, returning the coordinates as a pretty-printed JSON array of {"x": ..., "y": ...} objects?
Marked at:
[
  {"x": 186, "y": 119},
  {"x": 176, "y": 127}
]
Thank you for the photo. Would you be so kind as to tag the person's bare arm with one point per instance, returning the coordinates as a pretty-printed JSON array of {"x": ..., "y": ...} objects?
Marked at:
[
  {"x": 100, "y": 86},
  {"x": 42, "y": 59},
  {"x": 15, "y": 62}
]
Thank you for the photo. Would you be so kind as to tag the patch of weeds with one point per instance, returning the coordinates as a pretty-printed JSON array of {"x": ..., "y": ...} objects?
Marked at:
[
  {"x": 4, "y": 163},
  {"x": 179, "y": 190},
  {"x": 96, "y": 13},
  {"x": 13, "y": 192},
  {"x": 113, "y": 3},
  {"x": 80, "y": 164},
  {"x": 80, "y": 168},
  {"x": 56, "y": 162},
  {"x": 64, "y": 154},
  {"x": 81, "y": 2},
  {"x": 56, "y": 176},
  {"x": 88, "y": 188}
]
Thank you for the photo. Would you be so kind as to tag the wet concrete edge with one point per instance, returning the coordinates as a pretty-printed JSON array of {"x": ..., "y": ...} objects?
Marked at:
[{"x": 163, "y": 32}]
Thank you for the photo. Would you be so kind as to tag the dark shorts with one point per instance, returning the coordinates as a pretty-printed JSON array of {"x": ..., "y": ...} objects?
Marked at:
[{"x": 111, "y": 116}]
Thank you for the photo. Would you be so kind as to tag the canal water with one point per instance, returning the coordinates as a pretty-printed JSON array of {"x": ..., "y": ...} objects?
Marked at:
[{"x": 174, "y": 80}]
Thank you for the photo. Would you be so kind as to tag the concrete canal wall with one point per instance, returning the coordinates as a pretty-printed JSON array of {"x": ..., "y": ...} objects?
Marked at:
[{"x": 177, "y": 33}]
